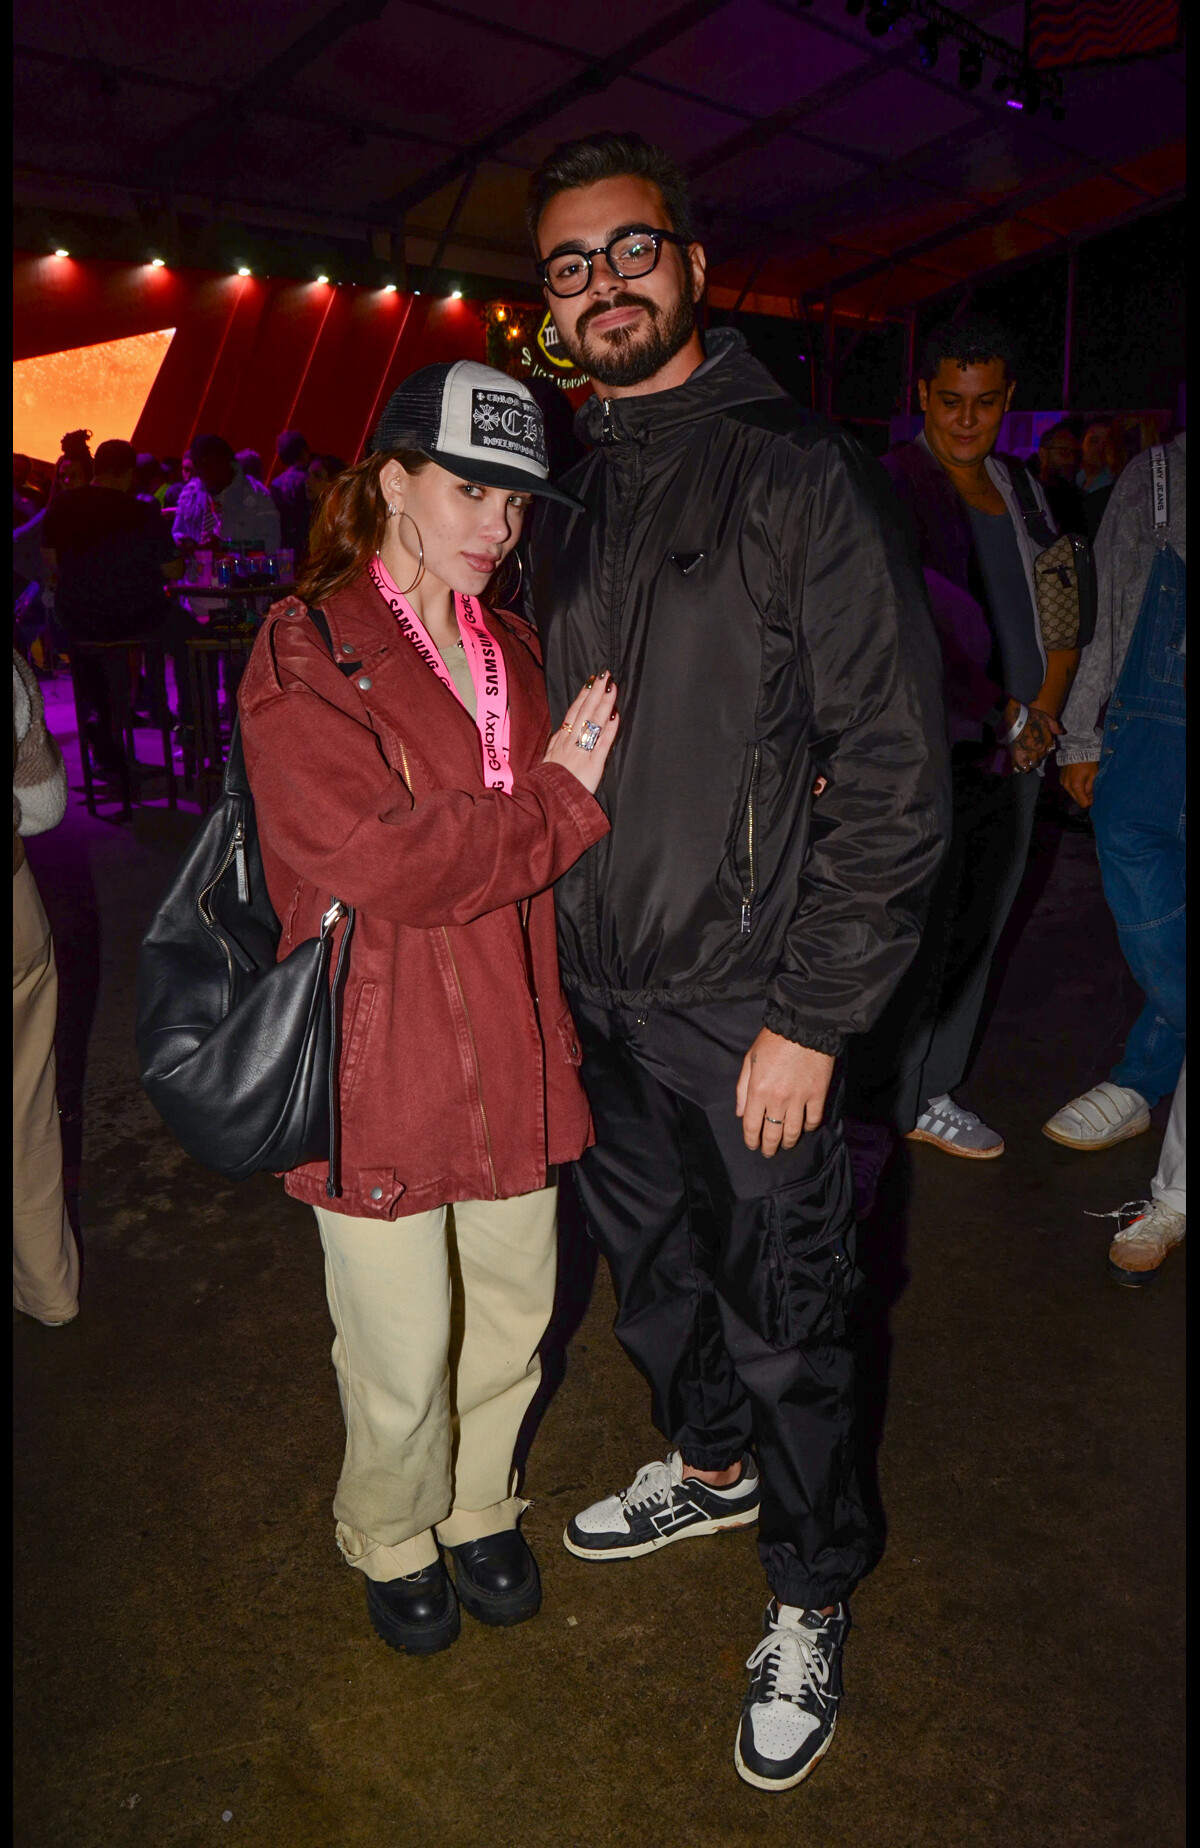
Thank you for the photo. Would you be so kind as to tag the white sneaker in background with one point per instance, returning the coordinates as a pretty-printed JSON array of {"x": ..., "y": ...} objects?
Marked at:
[
  {"x": 1106, "y": 1114},
  {"x": 1148, "y": 1230},
  {"x": 959, "y": 1132}
]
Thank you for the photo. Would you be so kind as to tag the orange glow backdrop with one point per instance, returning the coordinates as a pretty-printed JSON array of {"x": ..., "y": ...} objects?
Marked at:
[{"x": 99, "y": 388}]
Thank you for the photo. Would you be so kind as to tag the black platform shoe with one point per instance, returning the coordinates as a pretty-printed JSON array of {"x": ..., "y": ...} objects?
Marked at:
[
  {"x": 497, "y": 1578},
  {"x": 417, "y": 1614}
]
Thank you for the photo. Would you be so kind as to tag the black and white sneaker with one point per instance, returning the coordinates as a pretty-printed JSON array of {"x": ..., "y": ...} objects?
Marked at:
[
  {"x": 660, "y": 1506},
  {"x": 795, "y": 1685}
]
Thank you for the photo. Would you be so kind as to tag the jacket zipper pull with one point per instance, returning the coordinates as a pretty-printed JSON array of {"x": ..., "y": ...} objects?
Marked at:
[
  {"x": 745, "y": 917},
  {"x": 239, "y": 860},
  {"x": 606, "y": 434}
]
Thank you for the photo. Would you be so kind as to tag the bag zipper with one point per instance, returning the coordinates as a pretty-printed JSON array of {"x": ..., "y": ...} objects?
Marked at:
[
  {"x": 239, "y": 855},
  {"x": 748, "y": 895},
  {"x": 204, "y": 907},
  {"x": 336, "y": 911}
]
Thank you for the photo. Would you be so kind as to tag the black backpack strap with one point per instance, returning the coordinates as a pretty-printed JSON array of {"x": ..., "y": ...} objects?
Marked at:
[
  {"x": 1032, "y": 512},
  {"x": 1022, "y": 487}
]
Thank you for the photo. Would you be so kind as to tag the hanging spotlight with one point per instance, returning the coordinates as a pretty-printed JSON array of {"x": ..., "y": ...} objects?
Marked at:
[
  {"x": 929, "y": 43},
  {"x": 62, "y": 253},
  {"x": 322, "y": 279},
  {"x": 389, "y": 288},
  {"x": 882, "y": 15},
  {"x": 1027, "y": 94},
  {"x": 456, "y": 295},
  {"x": 970, "y": 67},
  {"x": 243, "y": 271}
]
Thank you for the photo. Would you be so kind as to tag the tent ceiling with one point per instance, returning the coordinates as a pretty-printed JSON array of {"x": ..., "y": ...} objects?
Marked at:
[{"x": 819, "y": 155}]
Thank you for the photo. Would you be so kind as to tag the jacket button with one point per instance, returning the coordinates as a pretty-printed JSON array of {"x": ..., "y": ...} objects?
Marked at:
[
  {"x": 364, "y": 685},
  {"x": 347, "y": 648},
  {"x": 377, "y": 1193}
]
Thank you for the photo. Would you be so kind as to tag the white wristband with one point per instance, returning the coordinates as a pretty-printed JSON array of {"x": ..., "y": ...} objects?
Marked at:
[{"x": 1019, "y": 724}]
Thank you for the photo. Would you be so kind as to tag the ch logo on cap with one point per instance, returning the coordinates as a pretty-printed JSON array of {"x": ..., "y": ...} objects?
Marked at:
[{"x": 501, "y": 420}]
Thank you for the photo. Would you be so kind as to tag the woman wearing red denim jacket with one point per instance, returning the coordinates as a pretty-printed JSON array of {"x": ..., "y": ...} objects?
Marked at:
[{"x": 407, "y": 768}]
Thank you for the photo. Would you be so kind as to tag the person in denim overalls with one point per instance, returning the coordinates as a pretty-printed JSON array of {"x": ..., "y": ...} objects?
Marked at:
[{"x": 1133, "y": 778}]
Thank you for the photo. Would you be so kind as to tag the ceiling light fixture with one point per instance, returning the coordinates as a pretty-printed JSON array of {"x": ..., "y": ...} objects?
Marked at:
[
  {"x": 882, "y": 15},
  {"x": 322, "y": 279},
  {"x": 158, "y": 263},
  {"x": 62, "y": 253},
  {"x": 970, "y": 67},
  {"x": 1028, "y": 94},
  {"x": 389, "y": 288},
  {"x": 243, "y": 271},
  {"x": 456, "y": 295}
]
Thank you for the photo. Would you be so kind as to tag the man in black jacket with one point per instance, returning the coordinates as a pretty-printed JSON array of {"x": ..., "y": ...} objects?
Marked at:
[{"x": 741, "y": 573}]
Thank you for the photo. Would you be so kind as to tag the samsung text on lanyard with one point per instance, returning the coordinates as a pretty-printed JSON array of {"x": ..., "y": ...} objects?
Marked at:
[{"x": 484, "y": 659}]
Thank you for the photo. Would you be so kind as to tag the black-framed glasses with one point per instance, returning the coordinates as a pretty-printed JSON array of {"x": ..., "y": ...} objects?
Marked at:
[{"x": 632, "y": 254}]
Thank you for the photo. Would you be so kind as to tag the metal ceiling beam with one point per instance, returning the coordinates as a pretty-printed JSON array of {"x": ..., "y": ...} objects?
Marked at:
[
  {"x": 925, "y": 246},
  {"x": 596, "y": 76},
  {"x": 130, "y": 76},
  {"x": 1062, "y": 245},
  {"x": 228, "y": 121}
]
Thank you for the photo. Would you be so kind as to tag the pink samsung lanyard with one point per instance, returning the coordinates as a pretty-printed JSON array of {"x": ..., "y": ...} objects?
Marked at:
[{"x": 484, "y": 659}]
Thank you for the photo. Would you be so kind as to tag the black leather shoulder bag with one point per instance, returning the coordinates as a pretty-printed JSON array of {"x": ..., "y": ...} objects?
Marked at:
[{"x": 238, "y": 1053}]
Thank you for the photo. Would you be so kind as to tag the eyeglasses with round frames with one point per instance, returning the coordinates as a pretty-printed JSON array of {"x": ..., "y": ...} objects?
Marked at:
[{"x": 633, "y": 254}]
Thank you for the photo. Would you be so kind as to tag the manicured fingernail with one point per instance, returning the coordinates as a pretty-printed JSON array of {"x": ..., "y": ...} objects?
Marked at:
[
  {"x": 591, "y": 680},
  {"x": 609, "y": 684}
]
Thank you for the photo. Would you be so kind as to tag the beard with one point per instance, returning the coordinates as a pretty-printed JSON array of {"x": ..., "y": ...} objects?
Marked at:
[{"x": 630, "y": 355}]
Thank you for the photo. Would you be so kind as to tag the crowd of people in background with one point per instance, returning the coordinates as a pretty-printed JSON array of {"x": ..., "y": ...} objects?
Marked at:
[{"x": 96, "y": 537}]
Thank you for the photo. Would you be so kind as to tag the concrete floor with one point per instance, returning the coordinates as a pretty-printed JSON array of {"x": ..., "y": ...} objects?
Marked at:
[{"x": 190, "y": 1648}]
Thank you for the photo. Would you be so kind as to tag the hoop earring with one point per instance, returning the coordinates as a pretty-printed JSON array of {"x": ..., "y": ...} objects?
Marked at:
[
  {"x": 420, "y": 552},
  {"x": 504, "y": 600}
]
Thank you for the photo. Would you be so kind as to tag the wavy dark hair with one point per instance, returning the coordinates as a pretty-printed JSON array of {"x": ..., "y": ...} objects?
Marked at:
[
  {"x": 350, "y": 523},
  {"x": 610, "y": 156}
]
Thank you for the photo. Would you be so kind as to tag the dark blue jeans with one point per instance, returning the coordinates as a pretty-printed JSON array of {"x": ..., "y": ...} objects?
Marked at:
[{"x": 1140, "y": 820}]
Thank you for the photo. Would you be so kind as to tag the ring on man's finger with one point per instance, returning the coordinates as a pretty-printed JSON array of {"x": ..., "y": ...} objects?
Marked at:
[{"x": 778, "y": 1121}]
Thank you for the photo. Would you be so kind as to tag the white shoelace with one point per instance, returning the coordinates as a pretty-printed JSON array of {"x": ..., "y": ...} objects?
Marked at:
[
  {"x": 1138, "y": 1208},
  {"x": 952, "y": 1112},
  {"x": 652, "y": 1483},
  {"x": 798, "y": 1667}
]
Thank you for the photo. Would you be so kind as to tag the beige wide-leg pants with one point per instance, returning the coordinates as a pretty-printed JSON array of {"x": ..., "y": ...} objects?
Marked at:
[
  {"x": 438, "y": 1317},
  {"x": 45, "y": 1257}
]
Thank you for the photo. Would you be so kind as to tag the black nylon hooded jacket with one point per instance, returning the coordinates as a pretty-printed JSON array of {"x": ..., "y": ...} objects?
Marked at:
[{"x": 742, "y": 571}]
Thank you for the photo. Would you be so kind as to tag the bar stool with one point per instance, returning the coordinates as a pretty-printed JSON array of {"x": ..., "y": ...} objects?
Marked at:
[
  {"x": 213, "y": 661},
  {"x": 104, "y": 671}
]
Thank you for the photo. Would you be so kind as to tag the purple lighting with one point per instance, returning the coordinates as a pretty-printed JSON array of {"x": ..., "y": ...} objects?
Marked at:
[{"x": 1013, "y": 103}]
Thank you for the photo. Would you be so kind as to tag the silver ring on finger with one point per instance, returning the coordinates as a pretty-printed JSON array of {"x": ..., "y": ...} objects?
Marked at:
[
  {"x": 778, "y": 1121},
  {"x": 589, "y": 737}
]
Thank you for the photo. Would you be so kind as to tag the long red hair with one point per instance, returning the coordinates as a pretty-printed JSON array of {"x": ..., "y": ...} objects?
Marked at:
[{"x": 350, "y": 524}]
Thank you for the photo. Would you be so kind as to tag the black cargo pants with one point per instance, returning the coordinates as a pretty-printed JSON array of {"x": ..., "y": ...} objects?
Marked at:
[{"x": 734, "y": 1276}]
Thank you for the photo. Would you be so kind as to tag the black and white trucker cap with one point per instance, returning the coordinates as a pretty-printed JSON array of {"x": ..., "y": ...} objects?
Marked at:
[{"x": 474, "y": 421}]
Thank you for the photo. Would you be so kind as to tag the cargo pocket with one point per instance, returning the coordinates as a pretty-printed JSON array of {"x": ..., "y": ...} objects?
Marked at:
[{"x": 811, "y": 1228}]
